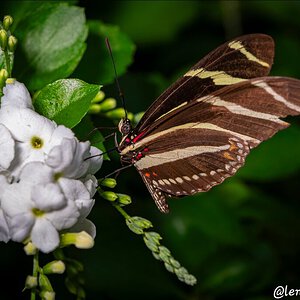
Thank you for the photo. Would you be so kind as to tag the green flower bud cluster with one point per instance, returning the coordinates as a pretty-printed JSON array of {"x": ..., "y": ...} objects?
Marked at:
[
  {"x": 74, "y": 280},
  {"x": 108, "y": 106},
  {"x": 8, "y": 44},
  {"x": 39, "y": 282},
  {"x": 116, "y": 198},
  {"x": 152, "y": 239}
]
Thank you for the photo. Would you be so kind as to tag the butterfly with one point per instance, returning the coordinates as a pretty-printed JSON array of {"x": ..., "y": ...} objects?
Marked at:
[{"x": 199, "y": 131}]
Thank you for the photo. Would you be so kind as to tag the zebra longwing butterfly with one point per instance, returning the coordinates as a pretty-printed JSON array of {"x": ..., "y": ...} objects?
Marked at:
[{"x": 199, "y": 131}]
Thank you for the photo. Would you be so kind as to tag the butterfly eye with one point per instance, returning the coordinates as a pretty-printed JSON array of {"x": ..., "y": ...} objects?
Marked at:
[{"x": 124, "y": 126}]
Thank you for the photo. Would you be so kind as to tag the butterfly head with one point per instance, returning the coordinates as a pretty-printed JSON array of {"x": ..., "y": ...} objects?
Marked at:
[{"x": 124, "y": 126}]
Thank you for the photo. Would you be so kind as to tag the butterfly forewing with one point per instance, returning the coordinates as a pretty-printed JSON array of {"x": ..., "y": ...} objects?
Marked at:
[
  {"x": 243, "y": 58},
  {"x": 199, "y": 132}
]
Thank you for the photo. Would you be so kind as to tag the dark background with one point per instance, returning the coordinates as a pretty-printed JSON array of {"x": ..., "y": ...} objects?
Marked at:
[{"x": 241, "y": 239}]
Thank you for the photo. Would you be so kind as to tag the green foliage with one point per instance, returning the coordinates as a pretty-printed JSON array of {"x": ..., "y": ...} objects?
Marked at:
[
  {"x": 239, "y": 239},
  {"x": 155, "y": 21},
  {"x": 272, "y": 159},
  {"x": 52, "y": 41},
  {"x": 65, "y": 101},
  {"x": 97, "y": 52}
]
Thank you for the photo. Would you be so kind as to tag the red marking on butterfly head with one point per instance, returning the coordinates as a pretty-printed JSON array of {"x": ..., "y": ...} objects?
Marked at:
[{"x": 147, "y": 174}]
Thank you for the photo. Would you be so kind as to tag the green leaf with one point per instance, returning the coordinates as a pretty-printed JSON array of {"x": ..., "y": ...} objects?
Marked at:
[
  {"x": 98, "y": 57},
  {"x": 276, "y": 158},
  {"x": 155, "y": 21},
  {"x": 66, "y": 101},
  {"x": 51, "y": 39}
]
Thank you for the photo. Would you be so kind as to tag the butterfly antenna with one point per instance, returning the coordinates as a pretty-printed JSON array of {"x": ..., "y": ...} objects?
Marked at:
[{"x": 121, "y": 95}]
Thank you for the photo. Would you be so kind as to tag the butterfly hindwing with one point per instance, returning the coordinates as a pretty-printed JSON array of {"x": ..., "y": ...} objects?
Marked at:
[{"x": 209, "y": 139}]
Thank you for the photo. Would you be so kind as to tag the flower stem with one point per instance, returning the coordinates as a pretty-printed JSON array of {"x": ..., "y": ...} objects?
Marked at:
[
  {"x": 7, "y": 64},
  {"x": 121, "y": 211},
  {"x": 35, "y": 272}
]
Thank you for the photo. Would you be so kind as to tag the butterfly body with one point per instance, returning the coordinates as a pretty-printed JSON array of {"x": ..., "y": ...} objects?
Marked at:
[{"x": 200, "y": 130}]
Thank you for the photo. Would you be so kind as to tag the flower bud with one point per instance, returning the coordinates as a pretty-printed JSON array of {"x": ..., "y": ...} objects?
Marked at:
[
  {"x": 3, "y": 39},
  {"x": 124, "y": 199},
  {"x": 3, "y": 77},
  {"x": 81, "y": 240},
  {"x": 153, "y": 236},
  {"x": 47, "y": 295},
  {"x": 30, "y": 282},
  {"x": 138, "y": 224},
  {"x": 81, "y": 293},
  {"x": 169, "y": 268},
  {"x": 30, "y": 248},
  {"x": 151, "y": 244},
  {"x": 117, "y": 113},
  {"x": 141, "y": 222},
  {"x": 99, "y": 97},
  {"x": 44, "y": 283},
  {"x": 7, "y": 22},
  {"x": 12, "y": 43},
  {"x": 108, "y": 104},
  {"x": 108, "y": 182},
  {"x": 94, "y": 108},
  {"x": 71, "y": 286},
  {"x": 54, "y": 267},
  {"x": 108, "y": 195}
]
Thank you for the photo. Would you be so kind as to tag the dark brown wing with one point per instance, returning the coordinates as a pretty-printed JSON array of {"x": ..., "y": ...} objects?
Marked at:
[
  {"x": 207, "y": 141},
  {"x": 245, "y": 57}
]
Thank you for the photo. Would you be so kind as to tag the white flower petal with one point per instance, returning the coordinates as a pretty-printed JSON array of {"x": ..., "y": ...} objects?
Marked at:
[
  {"x": 74, "y": 189},
  {"x": 44, "y": 235},
  {"x": 85, "y": 206},
  {"x": 4, "y": 231},
  {"x": 7, "y": 146},
  {"x": 15, "y": 199},
  {"x": 20, "y": 226},
  {"x": 24, "y": 124},
  {"x": 59, "y": 133},
  {"x": 96, "y": 160},
  {"x": 84, "y": 225},
  {"x": 64, "y": 218},
  {"x": 48, "y": 197},
  {"x": 35, "y": 173},
  {"x": 16, "y": 94},
  {"x": 91, "y": 183}
]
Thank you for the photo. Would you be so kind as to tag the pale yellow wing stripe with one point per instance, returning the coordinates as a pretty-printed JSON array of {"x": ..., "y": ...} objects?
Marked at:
[
  {"x": 276, "y": 96},
  {"x": 146, "y": 140},
  {"x": 174, "y": 155},
  {"x": 237, "y": 45},
  {"x": 237, "y": 109},
  {"x": 175, "y": 108},
  {"x": 218, "y": 77}
]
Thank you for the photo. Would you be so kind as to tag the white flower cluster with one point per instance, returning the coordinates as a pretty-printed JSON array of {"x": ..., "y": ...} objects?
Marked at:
[{"x": 46, "y": 181}]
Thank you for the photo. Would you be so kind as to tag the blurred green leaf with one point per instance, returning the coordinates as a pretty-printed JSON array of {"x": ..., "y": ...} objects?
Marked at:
[
  {"x": 51, "y": 41},
  {"x": 210, "y": 214},
  {"x": 155, "y": 21},
  {"x": 96, "y": 65},
  {"x": 276, "y": 158},
  {"x": 65, "y": 101}
]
